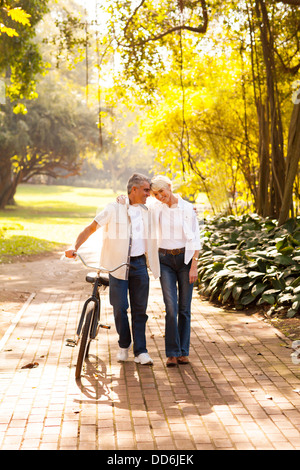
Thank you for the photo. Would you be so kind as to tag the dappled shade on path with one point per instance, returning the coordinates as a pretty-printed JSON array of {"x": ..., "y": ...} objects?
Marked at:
[{"x": 238, "y": 392}]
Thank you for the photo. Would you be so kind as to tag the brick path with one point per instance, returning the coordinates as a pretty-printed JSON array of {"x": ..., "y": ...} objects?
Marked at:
[{"x": 240, "y": 391}]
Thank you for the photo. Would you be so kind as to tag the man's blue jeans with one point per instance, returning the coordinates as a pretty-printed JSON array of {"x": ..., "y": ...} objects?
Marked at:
[
  {"x": 137, "y": 286},
  {"x": 177, "y": 294}
]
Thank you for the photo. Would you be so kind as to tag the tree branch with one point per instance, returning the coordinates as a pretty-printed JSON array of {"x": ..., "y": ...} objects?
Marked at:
[
  {"x": 289, "y": 2},
  {"x": 199, "y": 29},
  {"x": 133, "y": 14},
  {"x": 292, "y": 70}
]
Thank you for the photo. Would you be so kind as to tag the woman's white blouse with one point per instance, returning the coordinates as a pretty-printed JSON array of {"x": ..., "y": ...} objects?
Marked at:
[
  {"x": 178, "y": 227},
  {"x": 171, "y": 228}
]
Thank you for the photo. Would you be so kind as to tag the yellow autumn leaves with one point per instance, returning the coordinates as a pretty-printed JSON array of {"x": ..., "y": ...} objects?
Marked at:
[{"x": 16, "y": 14}]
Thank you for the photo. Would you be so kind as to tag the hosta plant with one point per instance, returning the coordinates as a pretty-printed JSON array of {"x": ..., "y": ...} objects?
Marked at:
[{"x": 249, "y": 261}]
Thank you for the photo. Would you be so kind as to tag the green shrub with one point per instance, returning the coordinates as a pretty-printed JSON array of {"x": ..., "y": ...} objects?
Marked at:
[{"x": 249, "y": 261}]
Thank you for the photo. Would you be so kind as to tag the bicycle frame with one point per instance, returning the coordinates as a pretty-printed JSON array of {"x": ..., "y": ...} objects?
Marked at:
[
  {"x": 95, "y": 298},
  {"x": 89, "y": 322}
]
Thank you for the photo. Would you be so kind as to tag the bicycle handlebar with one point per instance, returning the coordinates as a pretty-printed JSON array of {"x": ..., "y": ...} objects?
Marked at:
[{"x": 100, "y": 268}]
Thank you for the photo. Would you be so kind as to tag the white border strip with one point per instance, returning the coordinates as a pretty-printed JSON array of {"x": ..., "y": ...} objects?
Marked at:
[{"x": 16, "y": 320}]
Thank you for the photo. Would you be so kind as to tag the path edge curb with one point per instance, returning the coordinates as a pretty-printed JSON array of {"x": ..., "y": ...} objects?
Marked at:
[{"x": 16, "y": 320}]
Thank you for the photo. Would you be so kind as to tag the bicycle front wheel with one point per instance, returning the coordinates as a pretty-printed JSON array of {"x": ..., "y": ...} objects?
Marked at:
[{"x": 84, "y": 342}]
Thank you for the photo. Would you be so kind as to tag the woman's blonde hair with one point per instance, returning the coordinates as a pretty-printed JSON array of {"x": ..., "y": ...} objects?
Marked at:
[{"x": 160, "y": 182}]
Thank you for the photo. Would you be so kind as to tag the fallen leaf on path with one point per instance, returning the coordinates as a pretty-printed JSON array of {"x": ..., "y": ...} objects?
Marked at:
[{"x": 31, "y": 365}]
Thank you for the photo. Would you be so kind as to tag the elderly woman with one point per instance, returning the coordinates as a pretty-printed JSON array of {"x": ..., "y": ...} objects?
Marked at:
[{"x": 179, "y": 245}]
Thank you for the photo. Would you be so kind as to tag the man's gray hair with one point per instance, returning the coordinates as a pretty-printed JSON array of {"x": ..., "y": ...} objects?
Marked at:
[{"x": 137, "y": 179}]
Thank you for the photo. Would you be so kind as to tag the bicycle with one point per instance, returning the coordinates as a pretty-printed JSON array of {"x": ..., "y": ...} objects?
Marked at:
[{"x": 89, "y": 322}]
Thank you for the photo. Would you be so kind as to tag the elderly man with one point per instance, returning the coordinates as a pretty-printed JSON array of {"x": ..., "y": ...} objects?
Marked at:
[{"x": 127, "y": 239}]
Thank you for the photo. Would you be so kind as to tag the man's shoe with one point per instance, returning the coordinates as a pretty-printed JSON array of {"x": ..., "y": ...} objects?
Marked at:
[
  {"x": 143, "y": 359},
  {"x": 183, "y": 360},
  {"x": 122, "y": 355},
  {"x": 171, "y": 361}
]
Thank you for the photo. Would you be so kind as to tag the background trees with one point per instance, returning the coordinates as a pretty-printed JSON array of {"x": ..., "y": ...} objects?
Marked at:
[
  {"x": 48, "y": 140},
  {"x": 55, "y": 107},
  {"x": 20, "y": 62},
  {"x": 213, "y": 83},
  {"x": 20, "y": 58},
  {"x": 259, "y": 41}
]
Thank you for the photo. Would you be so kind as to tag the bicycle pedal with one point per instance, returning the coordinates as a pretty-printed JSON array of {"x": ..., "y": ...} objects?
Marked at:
[
  {"x": 107, "y": 327},
  {"x": 71, "y": 343}
]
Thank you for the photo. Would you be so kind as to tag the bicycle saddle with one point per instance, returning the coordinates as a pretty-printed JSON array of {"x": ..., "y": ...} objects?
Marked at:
[{"x": 91, "y": 277}]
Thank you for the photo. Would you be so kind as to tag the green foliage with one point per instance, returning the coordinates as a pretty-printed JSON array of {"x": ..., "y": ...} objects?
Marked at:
[
  {"x": 20, "y": 58},
  {"x": 248, "y": 261}
]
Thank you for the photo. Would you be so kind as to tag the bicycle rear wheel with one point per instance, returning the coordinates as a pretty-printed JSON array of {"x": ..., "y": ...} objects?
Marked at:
[{"x": 84, "y": 342}]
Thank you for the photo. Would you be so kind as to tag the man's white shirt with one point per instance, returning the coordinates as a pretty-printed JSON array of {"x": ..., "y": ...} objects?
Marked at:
[{"x": 138, "y": 247}]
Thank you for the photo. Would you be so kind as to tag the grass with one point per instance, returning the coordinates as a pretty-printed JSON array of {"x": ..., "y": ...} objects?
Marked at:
[{"x": 47, "y": 218}]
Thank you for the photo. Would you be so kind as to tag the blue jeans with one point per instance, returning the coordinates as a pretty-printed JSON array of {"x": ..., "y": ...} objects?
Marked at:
[
  {"x": 137, "y": 286},
  {"x": 177, "y": 294}
]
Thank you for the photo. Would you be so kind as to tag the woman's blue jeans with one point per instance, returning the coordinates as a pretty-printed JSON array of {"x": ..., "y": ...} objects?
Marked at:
[
  {"x": 137, "y": 286},
  {"x": 177, "y": 294}
]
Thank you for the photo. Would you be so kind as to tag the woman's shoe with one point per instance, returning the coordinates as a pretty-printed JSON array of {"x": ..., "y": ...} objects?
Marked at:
[
  {"x": 183, "y": 360},
  {"x": 171, "y": 361}
]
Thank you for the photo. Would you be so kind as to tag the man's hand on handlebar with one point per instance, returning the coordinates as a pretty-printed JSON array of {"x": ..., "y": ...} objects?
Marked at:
[{"x": 70, "y": 254}]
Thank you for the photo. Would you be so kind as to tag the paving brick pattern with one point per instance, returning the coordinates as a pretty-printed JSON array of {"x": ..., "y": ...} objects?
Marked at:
[{"x": 240, "y": 390}]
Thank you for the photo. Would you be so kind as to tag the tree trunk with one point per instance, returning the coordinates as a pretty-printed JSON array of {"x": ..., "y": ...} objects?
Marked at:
[
  {"x": 293, "y": 156},
  {"x": 5, "y": 182},
  {"x": 7, "y": 195},
  {"x": 263, "y": 206},
  {"x": 276, "y": 136}
]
